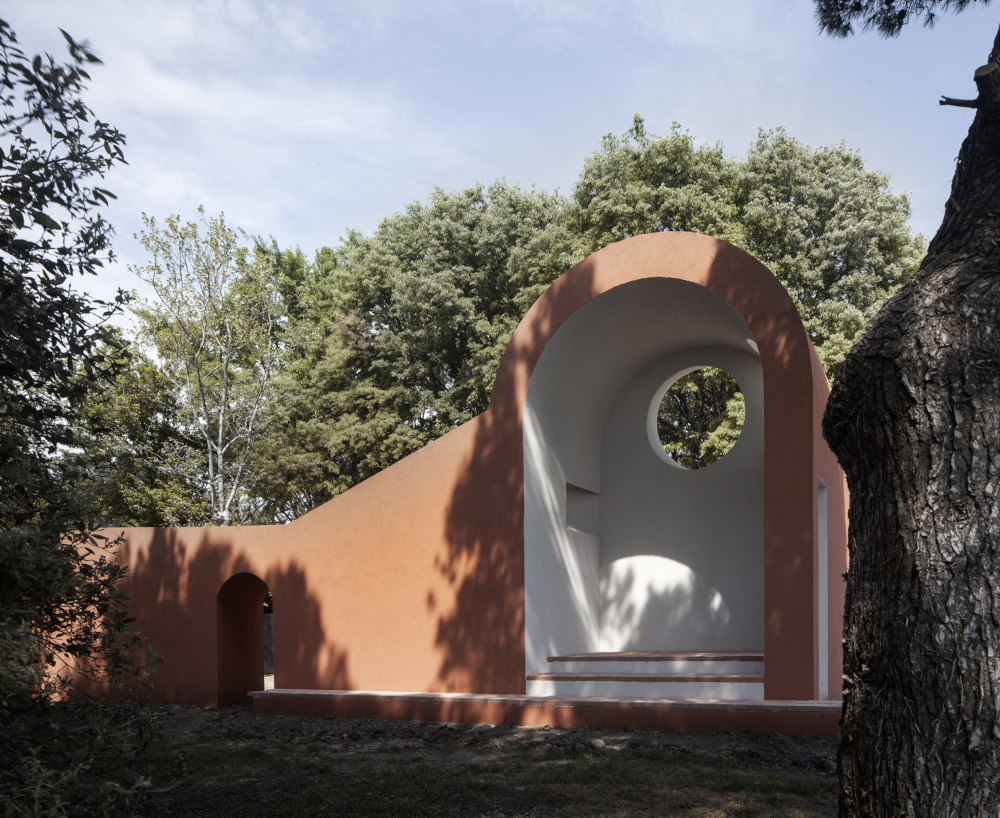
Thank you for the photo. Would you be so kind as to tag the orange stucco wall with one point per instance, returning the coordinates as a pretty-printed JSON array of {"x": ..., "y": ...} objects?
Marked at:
[
  {"x": 828, "y": 470},
  {"x": 414, "y": 579},
  {"x": 380, "y": 589}
]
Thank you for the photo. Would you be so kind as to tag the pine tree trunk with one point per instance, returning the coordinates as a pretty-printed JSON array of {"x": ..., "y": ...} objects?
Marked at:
[{"x": 914, "y": 419}]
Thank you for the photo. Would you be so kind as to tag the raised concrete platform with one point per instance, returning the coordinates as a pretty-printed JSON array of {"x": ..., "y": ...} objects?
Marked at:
[{"x": 817, "y": 718}]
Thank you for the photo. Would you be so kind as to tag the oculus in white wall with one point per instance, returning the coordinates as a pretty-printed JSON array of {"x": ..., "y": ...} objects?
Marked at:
[{"x": 696, "y": 417}]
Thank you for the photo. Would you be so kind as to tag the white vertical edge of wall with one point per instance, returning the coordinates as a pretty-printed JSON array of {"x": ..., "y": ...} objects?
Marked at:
[{"x": 824, "y": 595}]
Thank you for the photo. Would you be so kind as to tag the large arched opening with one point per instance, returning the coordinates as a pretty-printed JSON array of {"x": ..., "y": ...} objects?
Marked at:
[{"x": 627, "y": 552}]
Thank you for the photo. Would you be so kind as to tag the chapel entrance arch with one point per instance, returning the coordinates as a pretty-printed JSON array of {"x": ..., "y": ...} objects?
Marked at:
[
  {"x": 240, "y": 637},
  {"x": 625, "y": 550}
]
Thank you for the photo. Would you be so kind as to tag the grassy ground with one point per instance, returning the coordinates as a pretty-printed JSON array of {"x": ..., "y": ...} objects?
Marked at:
[{"x": 230, "y": 777}]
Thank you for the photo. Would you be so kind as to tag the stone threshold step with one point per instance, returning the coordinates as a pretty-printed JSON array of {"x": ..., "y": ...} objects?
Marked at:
[
  {"x": 647, "y": 677},
  {"x": 670, "y": 656},
  {"x": 818, "y": 718},
  {"x": 519, "y": 699}
]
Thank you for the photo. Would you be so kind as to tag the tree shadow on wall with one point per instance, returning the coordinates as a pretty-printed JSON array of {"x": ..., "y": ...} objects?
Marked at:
[
  {"x": 173, "y": 587},
  {"x": 640, "y": 613},
  {"x": 482, "y": 636},
  {"x": 304, "y": 654}
]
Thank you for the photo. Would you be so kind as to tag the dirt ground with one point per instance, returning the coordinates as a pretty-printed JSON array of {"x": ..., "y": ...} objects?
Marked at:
[
  {"x": 794, "y": 754},
  {"x": 231, "y": 764}
]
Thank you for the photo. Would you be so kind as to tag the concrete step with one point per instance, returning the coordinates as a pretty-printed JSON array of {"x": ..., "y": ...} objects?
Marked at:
[
  {"x": 688, "y": 662},
  {"x": 648, "y": 677},
  {"x": 664, "y": 656},
  {"x": 637, "y": 687},
  {"x": 727, "y": 675},
  {"x": 818, "y": 718}
]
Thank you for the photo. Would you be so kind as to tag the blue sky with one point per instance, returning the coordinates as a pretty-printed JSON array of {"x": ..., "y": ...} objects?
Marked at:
[{"x": 302, "y": 119}]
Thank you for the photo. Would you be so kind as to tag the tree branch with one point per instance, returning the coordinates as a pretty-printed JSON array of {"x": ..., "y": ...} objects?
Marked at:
[{"x": 959, "y": 103}]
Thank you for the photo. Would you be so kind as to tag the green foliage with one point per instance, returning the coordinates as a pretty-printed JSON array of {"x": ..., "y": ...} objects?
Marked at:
[
  {"x": 701, "y": 417},
  {"x": 61, "y": 615},
  {"x": 402, "y": 331},
  {"x": 63, "y": 624},
  {"x": 725, "y": 429},
  {"x": 403, "y": 334},
  {"x": 826, "y": 226},
  {"x": 290, "y": 270},
  {"x": 639, "y": 183},
  {"x": 388, "y": 341},
  {"x": 136, "y": 466},
  {"x": 217, "y": 327},
  {"x": 887, "y": 17},
  {"x": 47, "y": 233},
  {"x": 831, "y": 231}
]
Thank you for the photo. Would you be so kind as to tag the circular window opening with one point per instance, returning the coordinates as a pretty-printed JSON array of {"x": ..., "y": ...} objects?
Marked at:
[{"x": 700, "y": 417}]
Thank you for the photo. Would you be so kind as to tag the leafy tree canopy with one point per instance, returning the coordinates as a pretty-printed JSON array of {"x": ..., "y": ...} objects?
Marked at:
[
  {"x": 60, "y": 608},
  {"x": 402, "y": 331},
  {"x": 405, "y": 330},
  {"x": 887, "y": 17},
  {"x": 701, "y": 417},
  {"x": 217, "y": 325},
  {"x": 136, "y": 466},
  {"x": 829, "y": 228},
  {"x": 52, "y": 150},
  {"x": 393, "y": 339}
]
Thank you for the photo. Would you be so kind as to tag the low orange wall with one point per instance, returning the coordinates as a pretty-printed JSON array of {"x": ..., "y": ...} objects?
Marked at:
[{"x": 384, "y": 588}]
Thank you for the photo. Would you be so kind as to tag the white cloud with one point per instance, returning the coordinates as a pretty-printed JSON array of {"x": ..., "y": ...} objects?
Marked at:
[{"x": 303, "y": 117}]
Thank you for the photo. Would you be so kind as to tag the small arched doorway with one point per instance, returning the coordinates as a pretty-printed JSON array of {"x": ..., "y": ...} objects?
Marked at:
[{"x": 240, "y": 637}]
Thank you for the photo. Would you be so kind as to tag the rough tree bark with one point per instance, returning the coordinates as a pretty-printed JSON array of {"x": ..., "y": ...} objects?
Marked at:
[{"x": 914, "y": 419}]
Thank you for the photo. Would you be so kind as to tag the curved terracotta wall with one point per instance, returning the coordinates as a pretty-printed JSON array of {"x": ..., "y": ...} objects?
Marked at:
[{"x": 414, "y": 579}]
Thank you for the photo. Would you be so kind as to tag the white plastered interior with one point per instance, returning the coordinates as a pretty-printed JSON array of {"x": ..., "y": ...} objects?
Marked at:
[{"x": 624, "y": 549}]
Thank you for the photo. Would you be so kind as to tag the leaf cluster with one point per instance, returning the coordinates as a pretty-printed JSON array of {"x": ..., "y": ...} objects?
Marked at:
[
  {"x": 403, "y": 332},
  {"x": 136, "y": 464},
  {"x": 52, "y": 147},
  {"x": 50, "y": 150},
  {"x": 887, "y": 17},
  {"x": 62, "y": 622},
  {"x": 828, "y": 227}
]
